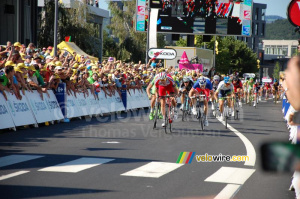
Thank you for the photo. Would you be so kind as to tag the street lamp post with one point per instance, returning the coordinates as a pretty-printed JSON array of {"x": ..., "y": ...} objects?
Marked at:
[{"x": 55, "y": 27}]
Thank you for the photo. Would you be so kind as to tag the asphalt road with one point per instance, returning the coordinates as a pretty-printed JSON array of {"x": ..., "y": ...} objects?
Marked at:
[{"x": 123, "y": 157}]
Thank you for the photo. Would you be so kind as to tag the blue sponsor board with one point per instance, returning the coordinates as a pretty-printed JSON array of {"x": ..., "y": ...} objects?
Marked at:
[
  {"x": 60, "y": 94},
  {"x": 246, "y": 30},
  {"x": 140, "y": 25}
]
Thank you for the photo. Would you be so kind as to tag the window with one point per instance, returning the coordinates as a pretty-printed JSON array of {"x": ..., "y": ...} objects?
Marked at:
[
  {"x": 273, "y": 49},
  {"x": 253, "y": 43},
  {"x": 294, "y": 50},
  {"x": 263, "y": 14},
  {"x": 285, "y": 50},
  {"x": 256, "y": 29},
  {"x": 267, "y": 50},
  {"x": 256, "y": 14},
  {"x": 262, "y": 33},
  {"x": 253, "y": 29}
]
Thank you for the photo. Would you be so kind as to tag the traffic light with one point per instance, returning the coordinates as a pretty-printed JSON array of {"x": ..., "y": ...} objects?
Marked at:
[
  {"x": 217, "y": 44},
  {"x": 258, "y": 64}
]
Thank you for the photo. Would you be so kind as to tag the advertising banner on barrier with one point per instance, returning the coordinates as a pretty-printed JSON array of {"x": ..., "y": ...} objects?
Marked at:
[
  {"x": 38, "y": 106},
  {"x": 53, "y": 106},
  {"x": 20, "y": 110},
  {"x": 61, "y": 97},
  {"x": 82, "y": 104},
  {"x": 6, "y": 120},
  {"x": 104, "y": 102},
  {"x": 71, "y": 107},
  {"x": 117, "y": 103},
  {"x": 94, "y": 108}
]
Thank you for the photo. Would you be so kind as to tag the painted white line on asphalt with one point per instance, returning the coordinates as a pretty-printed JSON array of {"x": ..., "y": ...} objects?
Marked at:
[
  {"x": 228, "y": 192},
  {"x": 230, "y": 175},
  {"x": 14, "y": 159},
  {"x": 4, "y": 177},
  {"x": 153, "y": 169},
  {"x": 249, "y": 147},
  {"x": 77, "y": 165},
  {"x": 113, "y": 142}
]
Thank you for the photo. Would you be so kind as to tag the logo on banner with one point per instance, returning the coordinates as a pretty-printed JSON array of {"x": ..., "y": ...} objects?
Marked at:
[
  {"x": 140, "y": 25},
  {"x": 60, "y": 89},
  {"x": 3, "y": 110},
  {"x": 166, "y": 53},
  {"x": 13, "y": 112},
  {"x": 247, "y": 14},
  {"x": 141, "y": 10},
  {"x": 246, "y": 30}
]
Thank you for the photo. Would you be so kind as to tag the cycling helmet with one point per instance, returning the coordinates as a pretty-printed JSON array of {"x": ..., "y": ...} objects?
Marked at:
[
  {"x": 251, "y": 78},
  {"x": 202, "y": 81},
  {"x": 186, "y": 79},
  {"x": 216, "y": 77},
  {"x": 226, "y": 80},
  {"x": 235, "y": 78},
  {"x": 275, "y": 80},
  {"x": 162, "y": 75}
]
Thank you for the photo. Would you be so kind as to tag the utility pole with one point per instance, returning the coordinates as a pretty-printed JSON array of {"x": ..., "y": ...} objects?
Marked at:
[
  {"x": 55, "y": 27},
  {"x": 148, "y": 27}
]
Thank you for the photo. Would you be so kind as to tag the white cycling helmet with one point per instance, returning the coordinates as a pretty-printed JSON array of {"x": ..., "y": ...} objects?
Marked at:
[
  {"x": 202, "y": 81},
  {"x": 216, "y": 77},
  {"x": 162, "y": 75}
]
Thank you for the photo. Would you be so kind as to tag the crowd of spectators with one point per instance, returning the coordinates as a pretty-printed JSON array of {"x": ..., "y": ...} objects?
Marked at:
[{"x": 29, "y": 68}]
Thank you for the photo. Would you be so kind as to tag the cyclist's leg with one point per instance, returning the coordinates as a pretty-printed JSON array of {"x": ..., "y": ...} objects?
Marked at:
[{"x": 221, "y": 101}]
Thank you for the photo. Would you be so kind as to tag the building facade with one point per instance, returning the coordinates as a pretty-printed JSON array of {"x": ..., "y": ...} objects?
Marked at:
[{"x": 18, "y": 21}]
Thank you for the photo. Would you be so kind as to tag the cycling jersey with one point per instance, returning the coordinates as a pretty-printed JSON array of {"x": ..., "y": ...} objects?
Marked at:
[
  {"x": 202, "y": 91},
  {"x": 256, "y": 88},
  {"x": 237, "y": 85},
  {"x": 250, "y": 85},
  {"x": 275, "y": 86},
  {"x": 224, "y": 87}
]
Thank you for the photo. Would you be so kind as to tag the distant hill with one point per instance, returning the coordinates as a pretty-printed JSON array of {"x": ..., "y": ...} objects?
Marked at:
[
  {"x": 272, "y": 18},
  {"x": 281, "y": 29}
]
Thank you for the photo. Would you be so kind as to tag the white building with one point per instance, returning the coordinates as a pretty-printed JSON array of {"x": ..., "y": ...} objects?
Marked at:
[{"x": 275, "y": 49}]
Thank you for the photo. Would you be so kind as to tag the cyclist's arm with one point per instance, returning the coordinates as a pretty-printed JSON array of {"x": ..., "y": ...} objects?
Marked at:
[{"x": 149, "y": 88}]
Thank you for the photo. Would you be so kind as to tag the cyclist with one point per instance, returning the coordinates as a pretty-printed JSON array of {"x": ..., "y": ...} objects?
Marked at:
[
  {"x": 216, "y": 81},
  {"x": 267, "y": 89},
  {"x": 151, "y": 90},
  {"x": 225, "y": 89},
  {"x": 165, "y": 84},
  {"x": 250, "y": 84},
  {"x": 275, "y": 88},
  {"x": 185, "y": 87},
  {"x": 256, "y": 90},
  {"x": 200, "y": 87},
  {"x": 238, "y": 88}
]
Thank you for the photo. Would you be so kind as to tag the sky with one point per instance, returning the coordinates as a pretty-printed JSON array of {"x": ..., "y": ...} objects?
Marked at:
[{"x": 275, "y": 7}]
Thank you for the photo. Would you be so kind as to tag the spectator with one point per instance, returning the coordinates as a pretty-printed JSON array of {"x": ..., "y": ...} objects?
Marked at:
[{"x": 96, "y": 4}]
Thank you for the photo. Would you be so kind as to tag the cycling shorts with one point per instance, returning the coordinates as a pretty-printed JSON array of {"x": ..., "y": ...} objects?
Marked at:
[{"x": 224, "y": 93}]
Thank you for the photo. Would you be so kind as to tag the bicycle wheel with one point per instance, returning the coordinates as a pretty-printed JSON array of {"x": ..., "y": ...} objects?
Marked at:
[
  {"x": 275, "y": 100},
  {"x": 166, "y": 119},
  {"x": 184, "y": 110},
  {"x": 201, "y": 118},
  {"x": 156, "y": 109},
  {"x": 236, "y": 109}
]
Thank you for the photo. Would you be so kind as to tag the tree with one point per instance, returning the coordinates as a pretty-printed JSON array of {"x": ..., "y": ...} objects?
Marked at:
[
  {"x": 181, "y": 42},
  {"x": 72, "y": 22},
  {"x": 276, "y": 70}
]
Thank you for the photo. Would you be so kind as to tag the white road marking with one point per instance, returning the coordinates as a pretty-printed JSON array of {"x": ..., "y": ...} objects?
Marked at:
[
  {"x": 230, "y": 175},
  {"x": 77, "y": 165},
  {"x": 228, "y": 192},
  {"x": 249, "y": 147},
  {"x": 14, "y": 159},
  {"x": 113, "y": 142},
  {"x": 4, "y": 177},
  {"x": 153, "y": 169}
]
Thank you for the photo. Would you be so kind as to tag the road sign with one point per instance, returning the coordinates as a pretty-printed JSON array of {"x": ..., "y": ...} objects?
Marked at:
[
  {"x": 164, "y": 53},
  {"x": 293, "y": 12}
]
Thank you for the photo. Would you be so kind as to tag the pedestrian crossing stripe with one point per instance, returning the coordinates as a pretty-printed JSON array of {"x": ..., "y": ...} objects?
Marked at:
[
  {"x": 14, "y": 159},
  {"x": 77, "y": 165},
  {"x": 185, "y": 157},
  {"x": 153, "y": 170}
]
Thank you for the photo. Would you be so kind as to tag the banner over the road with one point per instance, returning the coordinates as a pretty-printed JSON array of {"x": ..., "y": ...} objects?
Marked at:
[{"x": 164, "y": 53}]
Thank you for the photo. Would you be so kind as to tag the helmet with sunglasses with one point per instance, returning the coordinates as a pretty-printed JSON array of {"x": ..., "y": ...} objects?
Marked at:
[
  {"x": 162, "y": 76},
  {"x": 235, "y": 78},
  {"x": 186, "y": 79},
  {"x": 217, "y": 77},
  {"x": 202, "y": 81},
  {"x": 227, "y": 80}
]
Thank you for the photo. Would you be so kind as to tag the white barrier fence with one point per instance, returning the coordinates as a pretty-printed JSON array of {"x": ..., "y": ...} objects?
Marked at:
[{"x": 32, "y": 110}]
